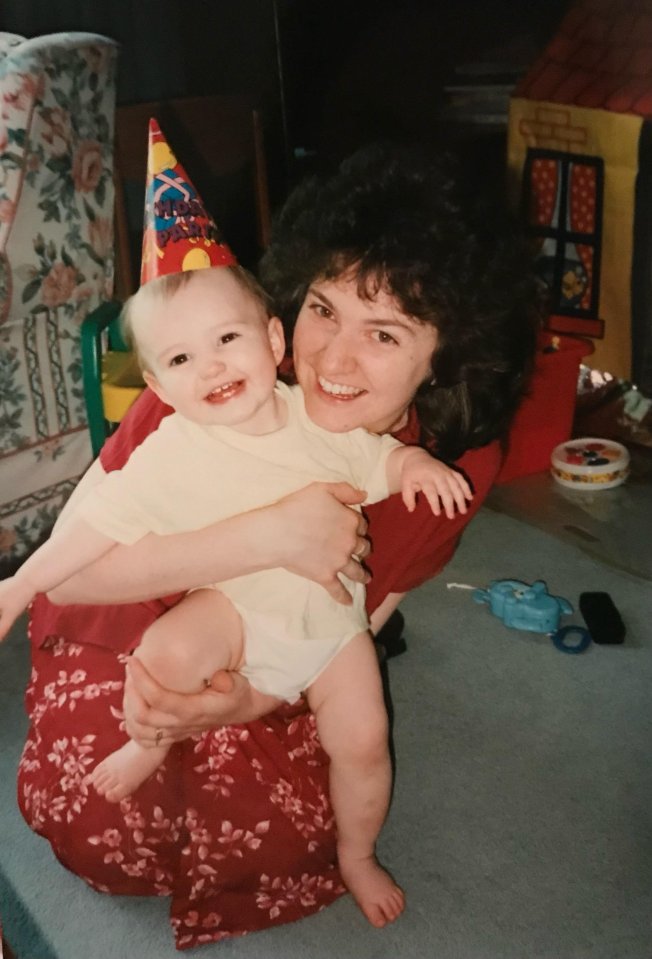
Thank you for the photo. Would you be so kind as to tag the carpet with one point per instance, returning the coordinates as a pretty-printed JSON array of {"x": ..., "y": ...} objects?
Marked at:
[{"x": 521, "y": 822}]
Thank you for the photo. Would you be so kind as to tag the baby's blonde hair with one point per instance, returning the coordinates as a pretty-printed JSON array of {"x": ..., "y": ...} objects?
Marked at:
[{"x": 165, "y": 287}]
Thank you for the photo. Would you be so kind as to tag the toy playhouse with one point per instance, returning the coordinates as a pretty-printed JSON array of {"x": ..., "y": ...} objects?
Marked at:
[
  {"x": 580, "y": 169},
  {"x": 580, "y": 164}
]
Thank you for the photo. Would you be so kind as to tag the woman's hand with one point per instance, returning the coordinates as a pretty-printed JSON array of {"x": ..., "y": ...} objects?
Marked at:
[
  {"x": 157, "y": 716},
  {"x": 317, "y": 535}
]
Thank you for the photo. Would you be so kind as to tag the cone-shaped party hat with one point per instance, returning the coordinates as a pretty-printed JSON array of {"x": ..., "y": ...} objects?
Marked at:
[{"x": 179, "y": 234}]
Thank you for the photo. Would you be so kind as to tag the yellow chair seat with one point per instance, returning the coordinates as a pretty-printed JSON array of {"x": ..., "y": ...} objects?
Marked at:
[{"x": 122, "y": 384}]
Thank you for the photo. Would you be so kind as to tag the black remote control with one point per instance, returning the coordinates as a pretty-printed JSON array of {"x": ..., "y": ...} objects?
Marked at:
[{"x": 602, "y": 619}]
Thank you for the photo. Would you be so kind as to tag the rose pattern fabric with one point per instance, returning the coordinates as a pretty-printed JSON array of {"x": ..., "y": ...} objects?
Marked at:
[{"x": 57, "y": 102}]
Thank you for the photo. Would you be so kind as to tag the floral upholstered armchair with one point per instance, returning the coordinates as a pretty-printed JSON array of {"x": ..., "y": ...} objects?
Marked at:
[{"x": 57, "y": 104}]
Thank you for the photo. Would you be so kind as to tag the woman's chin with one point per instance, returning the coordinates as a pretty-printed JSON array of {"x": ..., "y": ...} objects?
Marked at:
[{"x": 337, "y": 415}]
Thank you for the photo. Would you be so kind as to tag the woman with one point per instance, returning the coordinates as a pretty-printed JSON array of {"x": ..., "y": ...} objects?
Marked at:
[{"x": 408, "y": 316}]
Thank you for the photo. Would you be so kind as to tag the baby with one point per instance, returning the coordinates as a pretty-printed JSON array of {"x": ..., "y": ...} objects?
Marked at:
[{"x": 240, "y": 439}]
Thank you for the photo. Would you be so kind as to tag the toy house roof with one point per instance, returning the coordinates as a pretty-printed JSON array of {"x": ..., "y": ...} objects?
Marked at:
[{"x": 600, "y": 57}]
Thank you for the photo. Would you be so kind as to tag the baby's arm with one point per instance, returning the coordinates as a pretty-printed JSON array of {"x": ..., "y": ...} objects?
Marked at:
[
  {"x": 411, "y": 470},
  {"x": 67, "y": 551}
]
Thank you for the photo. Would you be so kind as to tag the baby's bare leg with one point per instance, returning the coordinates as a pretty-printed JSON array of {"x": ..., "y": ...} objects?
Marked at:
[
  {"x": 182, "y": 650},
  {"x": 347, "y": 700}
]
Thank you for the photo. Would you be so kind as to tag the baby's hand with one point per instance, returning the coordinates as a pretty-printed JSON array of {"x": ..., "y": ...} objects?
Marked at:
[
  {"x": 15, "y": 597},
  {"x": 441, "y": 485}
]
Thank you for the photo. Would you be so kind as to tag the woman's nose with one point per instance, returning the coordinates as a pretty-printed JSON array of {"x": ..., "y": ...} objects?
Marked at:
[{"x": 339, "y": 354}]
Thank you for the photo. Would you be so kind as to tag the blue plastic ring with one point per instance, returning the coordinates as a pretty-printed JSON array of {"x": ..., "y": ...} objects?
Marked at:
[{"x": 559, "y": 639}]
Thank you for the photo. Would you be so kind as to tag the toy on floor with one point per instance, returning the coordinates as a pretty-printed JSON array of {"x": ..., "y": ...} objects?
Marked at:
[
  {"x": 532, "y": 608},
  {"x": 590, "y": 463},
  {"x": 524, "y": 607}
]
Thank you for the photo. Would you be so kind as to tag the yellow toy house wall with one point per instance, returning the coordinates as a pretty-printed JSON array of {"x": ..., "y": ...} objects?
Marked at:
[{"x": 614, "y": 138}]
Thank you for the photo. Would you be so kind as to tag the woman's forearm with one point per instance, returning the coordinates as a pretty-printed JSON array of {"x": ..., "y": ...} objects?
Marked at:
[{"x": 312, "y": 533}]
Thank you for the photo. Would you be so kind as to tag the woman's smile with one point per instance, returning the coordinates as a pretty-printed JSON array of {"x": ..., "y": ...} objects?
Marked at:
[{"x": 338, "y": 391}]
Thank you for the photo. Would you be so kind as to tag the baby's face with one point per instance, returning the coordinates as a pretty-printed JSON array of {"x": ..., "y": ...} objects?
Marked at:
[{"x": 211, "y": 353}]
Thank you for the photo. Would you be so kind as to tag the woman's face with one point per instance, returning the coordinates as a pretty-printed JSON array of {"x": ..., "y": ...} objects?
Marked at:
[{"x": 359, "y": 362}]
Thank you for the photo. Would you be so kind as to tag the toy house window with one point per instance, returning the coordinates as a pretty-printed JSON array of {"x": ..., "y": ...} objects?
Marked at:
[{"x": 562, "y": 197}]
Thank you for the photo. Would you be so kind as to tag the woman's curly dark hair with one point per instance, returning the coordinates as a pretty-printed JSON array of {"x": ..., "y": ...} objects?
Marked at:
[{"x": 400, "y": 221}]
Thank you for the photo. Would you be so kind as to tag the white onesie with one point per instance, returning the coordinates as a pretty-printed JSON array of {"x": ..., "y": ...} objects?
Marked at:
[{"x": 185, "y": 476}]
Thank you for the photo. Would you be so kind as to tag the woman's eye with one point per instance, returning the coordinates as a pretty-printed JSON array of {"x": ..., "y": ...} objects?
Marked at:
[
  {"x": 321, "y": 310},
  {"x": 179, "y": 359},
  {"x": 228, "y": 337},
  {"x": 383, "y": 337}
]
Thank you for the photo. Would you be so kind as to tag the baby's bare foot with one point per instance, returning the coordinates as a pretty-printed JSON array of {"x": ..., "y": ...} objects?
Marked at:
[
  {"x": 372, "y": 887},
  {"x": 125, "y": 770}
]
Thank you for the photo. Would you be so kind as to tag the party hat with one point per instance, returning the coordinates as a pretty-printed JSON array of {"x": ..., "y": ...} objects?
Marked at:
[{"x": 178, "y": 234}]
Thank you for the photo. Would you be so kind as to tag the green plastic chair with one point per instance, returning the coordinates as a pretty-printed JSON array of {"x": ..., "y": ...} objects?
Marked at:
[{"x": 111, "y": 377}]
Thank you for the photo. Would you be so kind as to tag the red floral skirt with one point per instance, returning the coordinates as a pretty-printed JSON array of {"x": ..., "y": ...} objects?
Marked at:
[{"x": 236, "y": 827}]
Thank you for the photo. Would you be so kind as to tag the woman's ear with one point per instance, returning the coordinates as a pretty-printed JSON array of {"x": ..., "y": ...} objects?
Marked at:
[
  {"x": 276, "y": 338},
  {"x": 155, "y": 386}
]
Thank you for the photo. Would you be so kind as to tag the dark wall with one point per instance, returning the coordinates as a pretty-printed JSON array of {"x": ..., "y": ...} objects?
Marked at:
[
  {"x": 368, "y": 68},
  {"x": 169, "y": 47},
  {"x": 328, "y": 76}
]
